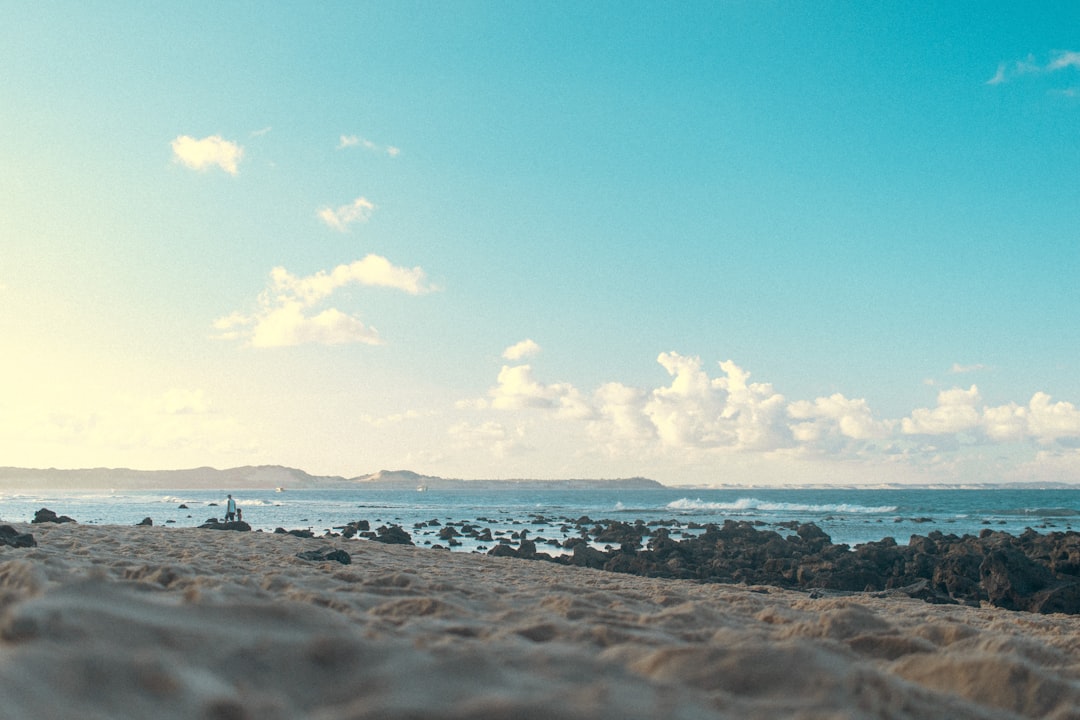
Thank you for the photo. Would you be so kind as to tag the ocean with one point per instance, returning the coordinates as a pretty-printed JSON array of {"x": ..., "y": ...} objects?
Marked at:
[{"x": 848, "y": 516}]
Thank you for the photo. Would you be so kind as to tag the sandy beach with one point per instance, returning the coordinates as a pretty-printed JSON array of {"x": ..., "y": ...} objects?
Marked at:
[{"x": 114, "y": 622}]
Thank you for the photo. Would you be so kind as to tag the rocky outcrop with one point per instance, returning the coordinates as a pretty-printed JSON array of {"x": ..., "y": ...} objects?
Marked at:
[
  {"x": 392, "y": 534},
  {"x": 1032, "y": 572},
  {"x": 295, "y": 533},
  {"x": 11, "y": 537},
  {"x": 45, "y": 515},
  {"x": 215, "y": 524},
  {"x": 326, "y": 554}
]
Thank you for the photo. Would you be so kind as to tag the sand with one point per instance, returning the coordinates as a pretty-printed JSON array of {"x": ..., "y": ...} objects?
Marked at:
[{"x": 111, "y": 622}]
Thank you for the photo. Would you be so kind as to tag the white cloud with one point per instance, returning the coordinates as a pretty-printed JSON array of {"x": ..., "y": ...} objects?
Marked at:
[
  {"x": 1005, "y": 423},
  {"x": 999, "y": 76},
  {"x": 351, "y": 141},
  {"x": 284, "y": 316},
  {"x": 373, "y": 270},
  {"x": 955, "y": 413},
  {"x": 698, "y": 419},
  {"x": 207, "y": 152},
  {"x": 693, "y": 412},
  {"x": 621, "y": 420},
  {"x": 359, "y": 210},
  {"x": 1065, "y": 59},
  {"x": 958, "y": 369},
  {"x": 517, "y": 389},
  {"x": 288, "y": 325},
  {"x": 1049, "y": 422},
  {"x": 491, "y": 437},
  {"x": 523, "y": 349},
  {"x": 835, "y": 419},
  {"x": 726, "y": 412},
  {"x": 1060, "y": 60}
]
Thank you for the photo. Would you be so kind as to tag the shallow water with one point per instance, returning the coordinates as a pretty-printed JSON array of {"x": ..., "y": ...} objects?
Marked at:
[{"x": 848, "y": 516}]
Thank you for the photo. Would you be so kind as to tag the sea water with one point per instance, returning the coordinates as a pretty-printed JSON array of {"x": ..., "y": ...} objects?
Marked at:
[{"x": 848, "y": 516}]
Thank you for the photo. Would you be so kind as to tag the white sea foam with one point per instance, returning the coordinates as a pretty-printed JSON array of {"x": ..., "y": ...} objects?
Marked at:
[{"x": 745, "y": 505}]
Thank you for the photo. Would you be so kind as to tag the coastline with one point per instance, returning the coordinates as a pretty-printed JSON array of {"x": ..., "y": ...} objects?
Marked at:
[{"x": 109, "y": 621}]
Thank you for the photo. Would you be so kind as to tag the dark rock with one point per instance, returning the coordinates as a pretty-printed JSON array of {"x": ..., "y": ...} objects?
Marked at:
[
  {"x": 586, "y": 555},
  {"x": 502, "y": 551},
  {"x": 44, "y": 515},
  {"x": 182, "y": 507},
  {"x": 215, "y": 524},
  {"x": 1009, "y": 578},
  {"x": 146, "y": 521},
  {"x": 620, "y": 532},
  {"x": 1033, "y": 572},
  {"x": 13, "y": 538},
  {"x": 326, "y": 554},
  {"x": 393, "y": 535}
]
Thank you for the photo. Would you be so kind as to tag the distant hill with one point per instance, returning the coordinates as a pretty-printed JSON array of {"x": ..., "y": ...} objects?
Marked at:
[
  {"x": 406, "y": 479},
  {"x": 247, "y": 477},
  {"x": 267, "y": 477}
]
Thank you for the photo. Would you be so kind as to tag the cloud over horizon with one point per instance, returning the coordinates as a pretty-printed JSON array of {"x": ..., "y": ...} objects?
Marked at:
[{"x": 700, "y": 416}]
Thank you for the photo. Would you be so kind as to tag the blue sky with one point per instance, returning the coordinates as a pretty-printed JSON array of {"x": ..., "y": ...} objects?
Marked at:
[{"x": 725, "y": 242}]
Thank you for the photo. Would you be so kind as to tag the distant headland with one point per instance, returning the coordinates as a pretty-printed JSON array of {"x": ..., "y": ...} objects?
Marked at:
[{"x": 271, "y": 477}]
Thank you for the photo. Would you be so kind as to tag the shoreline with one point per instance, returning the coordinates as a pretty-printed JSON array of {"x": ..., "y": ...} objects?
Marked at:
[
  {"x": 112, "y": 621},
  {"x": 1030, "y": 572}
]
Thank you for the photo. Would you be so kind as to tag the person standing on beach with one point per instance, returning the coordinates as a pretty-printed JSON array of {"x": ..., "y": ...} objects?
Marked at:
[{"x": 230, "y": 510}]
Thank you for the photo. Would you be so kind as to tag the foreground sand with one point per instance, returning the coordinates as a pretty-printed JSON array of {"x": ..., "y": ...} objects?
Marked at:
[{"x": 109, "y": 622}]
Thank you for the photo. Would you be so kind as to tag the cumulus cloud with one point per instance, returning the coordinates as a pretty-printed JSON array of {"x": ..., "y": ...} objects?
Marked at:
[
  {"x": 729, "y": 412},
  {"x": 525, "y": 348},
  {"x": 1052, "y": 422},
  {"x": 286, "y": 308},
  {"x": 207, "y": 152},
  {"x": 835, "y": 419},
  {"x": 517, "y": 389},
  {"x": 359, "y": 210},
  {"x": 694, "y": 411},
  {"x": 956, "y": 412},
  {"x": 700, "y": 417}
]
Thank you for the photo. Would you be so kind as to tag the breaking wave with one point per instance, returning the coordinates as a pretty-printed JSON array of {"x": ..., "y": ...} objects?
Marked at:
[{"x": 749, "y": 505}]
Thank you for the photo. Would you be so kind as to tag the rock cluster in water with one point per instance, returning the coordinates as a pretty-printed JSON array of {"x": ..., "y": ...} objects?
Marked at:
[{"x": 1032, "y": 572}]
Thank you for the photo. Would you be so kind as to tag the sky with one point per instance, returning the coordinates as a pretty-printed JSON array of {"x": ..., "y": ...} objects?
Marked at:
[{"x": 706, "y": 243}]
